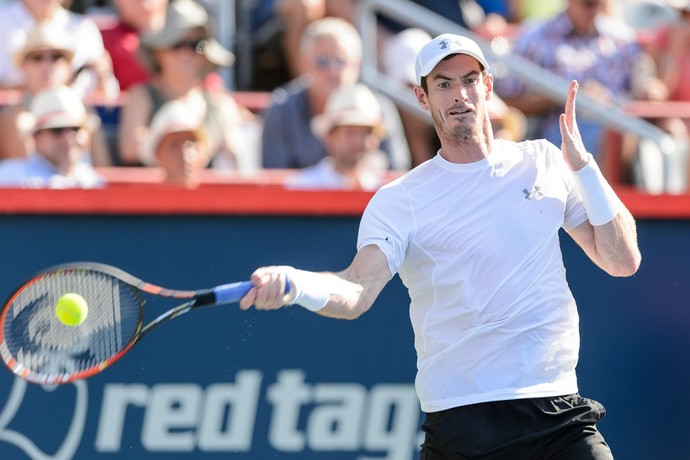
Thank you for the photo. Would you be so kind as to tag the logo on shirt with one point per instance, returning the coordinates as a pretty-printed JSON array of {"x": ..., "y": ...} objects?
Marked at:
[{"x": 536, "y": 193}]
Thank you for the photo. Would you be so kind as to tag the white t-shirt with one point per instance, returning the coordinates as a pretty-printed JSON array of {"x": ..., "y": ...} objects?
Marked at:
[
  {"x": 323, "y": 175},
  {"x": 477, "y": 246}
]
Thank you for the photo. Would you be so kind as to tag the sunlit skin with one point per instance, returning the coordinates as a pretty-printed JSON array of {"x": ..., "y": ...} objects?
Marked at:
[
  {"x": 42, "y": 72},
  {"x": 348, "y": 144},
  {"x": 183, "y": 157},
  {"x": 42, "y": 9},
  {"x": 63, "y": 147},
  {"x": 183, "y": 65},
  {"x": 583, "y": 13},
  {"x": 456, "y": 97},
  {"x": 143, "y": 15}
]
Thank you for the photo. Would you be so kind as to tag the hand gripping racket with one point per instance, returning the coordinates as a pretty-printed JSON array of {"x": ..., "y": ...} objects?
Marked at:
[{"x": 38, "y": 347}]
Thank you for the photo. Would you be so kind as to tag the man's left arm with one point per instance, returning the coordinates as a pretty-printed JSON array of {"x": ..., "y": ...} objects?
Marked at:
[
  {"x": 609, "y": 236},
  {"x": 612, "y": 246}
]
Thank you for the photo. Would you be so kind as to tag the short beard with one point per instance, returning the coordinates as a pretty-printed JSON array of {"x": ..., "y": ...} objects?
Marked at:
[{"x": 460, "y": 134}]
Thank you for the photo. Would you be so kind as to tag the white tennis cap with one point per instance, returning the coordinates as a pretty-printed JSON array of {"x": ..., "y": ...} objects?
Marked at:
[{"x": 444, "y": 45}]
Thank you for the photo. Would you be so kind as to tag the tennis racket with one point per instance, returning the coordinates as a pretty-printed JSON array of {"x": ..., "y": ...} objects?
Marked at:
[{"x": 38, "y": 347}]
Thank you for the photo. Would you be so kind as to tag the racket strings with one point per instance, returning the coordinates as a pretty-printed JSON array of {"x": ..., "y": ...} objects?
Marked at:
[{"x": 37, "y": 339}]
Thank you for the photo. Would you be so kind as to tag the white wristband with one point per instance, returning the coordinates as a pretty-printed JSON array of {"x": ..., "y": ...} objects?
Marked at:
[
  {"x": 600, "y": 201},
  {"x": 309, "y": 289}
]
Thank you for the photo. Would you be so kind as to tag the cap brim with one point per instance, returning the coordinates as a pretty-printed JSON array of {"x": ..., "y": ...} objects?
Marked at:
[
  {"x": 217, "y": 54},
  {"x": 431, "y": 64},
  {"x": 149, "y": 147},
  {"x": 322, "y": 124},
  {"x": 90, "y": 123},
  {"x": 20, "y": 55}
]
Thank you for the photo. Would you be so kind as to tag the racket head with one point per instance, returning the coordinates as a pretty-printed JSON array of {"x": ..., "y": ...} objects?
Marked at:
[{"x": 38, "y": 347}]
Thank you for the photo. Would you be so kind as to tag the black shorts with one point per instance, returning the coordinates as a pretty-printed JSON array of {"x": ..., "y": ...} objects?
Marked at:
[{"x": 558, "y": 428}]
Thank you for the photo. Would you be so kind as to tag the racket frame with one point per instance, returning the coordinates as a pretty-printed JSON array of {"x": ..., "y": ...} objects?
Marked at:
[{"x": 194, "y": 300}]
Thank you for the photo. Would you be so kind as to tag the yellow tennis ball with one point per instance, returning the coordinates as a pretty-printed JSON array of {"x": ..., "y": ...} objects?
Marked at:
[{"x": 71, "y": 309}]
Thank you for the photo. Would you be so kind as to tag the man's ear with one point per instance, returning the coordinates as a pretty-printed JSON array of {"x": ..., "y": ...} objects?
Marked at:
[
  {"x": 489, "y": 82},
  {"x": 421, "y": 97}
]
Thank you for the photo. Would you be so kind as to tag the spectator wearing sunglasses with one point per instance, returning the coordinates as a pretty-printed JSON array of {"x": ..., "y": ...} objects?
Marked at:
[
  {"x": 330, "y": 58},
  {"x": 180, "y": 56},
  {"x": 61, "y": 130},
  {"x": 91, "y": 65},
  {"x": 45, "y": 62}
]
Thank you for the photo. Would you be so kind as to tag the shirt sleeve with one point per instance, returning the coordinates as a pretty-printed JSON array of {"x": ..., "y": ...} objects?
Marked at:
[{"x": 388, "y": 222}]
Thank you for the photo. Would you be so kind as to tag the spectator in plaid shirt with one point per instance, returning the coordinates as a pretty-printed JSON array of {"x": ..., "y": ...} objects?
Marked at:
[{"x": 584, "y": 43}]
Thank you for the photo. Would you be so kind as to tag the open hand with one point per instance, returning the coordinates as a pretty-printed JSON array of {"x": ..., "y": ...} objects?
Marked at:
[{"x": 572, "y": 147}]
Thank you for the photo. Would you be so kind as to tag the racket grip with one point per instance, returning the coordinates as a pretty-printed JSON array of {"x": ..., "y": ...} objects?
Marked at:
[
  {"x": 230, "y": 293},
  {"x": 233, "y": 292}
]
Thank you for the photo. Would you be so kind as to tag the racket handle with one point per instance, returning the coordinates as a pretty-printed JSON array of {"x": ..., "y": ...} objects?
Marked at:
[{"x": 233, "y": 292}]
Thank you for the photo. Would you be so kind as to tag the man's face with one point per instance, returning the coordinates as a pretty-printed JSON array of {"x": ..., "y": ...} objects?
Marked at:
[
  {"x": 582, "y": 13},
  {"x": 347, "y": 144},
  {"x": 181, "y": 59},
  {"x": 63, "y": 146},
  {"x": 44, "y": 69},
  {"x": 457, "y": 97},
  {"x": 330, "y": 65},
  {"x": 183, "y": 157}
]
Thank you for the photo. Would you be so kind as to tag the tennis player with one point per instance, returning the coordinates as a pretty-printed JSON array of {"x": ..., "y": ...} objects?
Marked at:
[{"x": 473, "y": 234}]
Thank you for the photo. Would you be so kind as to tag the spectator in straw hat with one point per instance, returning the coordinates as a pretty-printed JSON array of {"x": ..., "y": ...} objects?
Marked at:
[
  {"x": 180, "y": 55},
  {"x": 351, "y": 127},
  {"x": 91, "y": 64},
  {"x": 45, "y": 61},
  {"x": 178, "y": 143},
  {"x": 61, "y": 132}
]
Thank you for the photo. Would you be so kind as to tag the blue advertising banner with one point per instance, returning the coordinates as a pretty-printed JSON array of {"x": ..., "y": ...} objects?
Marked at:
[{"x": 289, "y": 384}]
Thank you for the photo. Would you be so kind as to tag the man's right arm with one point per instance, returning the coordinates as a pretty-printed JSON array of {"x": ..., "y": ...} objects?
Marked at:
[{"x": 346, "y": 295}]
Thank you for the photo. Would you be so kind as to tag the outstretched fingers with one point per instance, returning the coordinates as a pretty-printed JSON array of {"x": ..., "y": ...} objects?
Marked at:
[
  {"x": 568, "y": 118},
  {"x": 572, "y": 146}
]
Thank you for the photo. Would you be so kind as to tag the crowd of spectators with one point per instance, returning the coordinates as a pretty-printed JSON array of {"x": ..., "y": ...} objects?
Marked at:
[{"x": 159, "y": 69}]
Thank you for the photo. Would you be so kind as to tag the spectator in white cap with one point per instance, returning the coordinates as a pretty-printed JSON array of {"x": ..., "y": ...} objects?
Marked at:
[
  {"x": 178, "y": 143},
  {"x": 61, "y": 130},
  {"x": 351, "y": 127},
  {"x": 180, "y": 56},
  {"x": 473, "y": 234}
]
